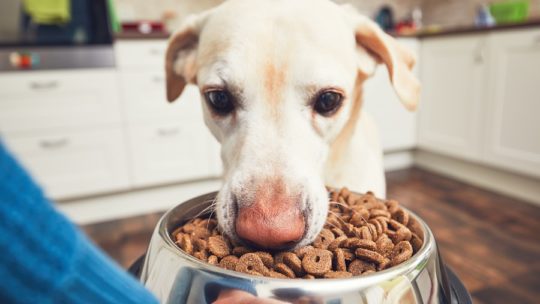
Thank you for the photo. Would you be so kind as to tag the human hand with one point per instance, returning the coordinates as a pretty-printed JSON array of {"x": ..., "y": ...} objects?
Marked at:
[{"x": 236, "y": 296}]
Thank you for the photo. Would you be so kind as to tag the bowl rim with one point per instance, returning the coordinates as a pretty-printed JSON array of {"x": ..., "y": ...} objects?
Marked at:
[{"x": 422, "y": 256}]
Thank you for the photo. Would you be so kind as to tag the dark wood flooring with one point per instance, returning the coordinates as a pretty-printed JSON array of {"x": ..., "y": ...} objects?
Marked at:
[{"x": 491, "y": 241}]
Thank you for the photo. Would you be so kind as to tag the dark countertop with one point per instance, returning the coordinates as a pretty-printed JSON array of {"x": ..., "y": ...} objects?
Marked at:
[
  {"x": 475, "y": 30},
  {"x": 134, "y": 35},
  {"x": 422, "y": 34}
]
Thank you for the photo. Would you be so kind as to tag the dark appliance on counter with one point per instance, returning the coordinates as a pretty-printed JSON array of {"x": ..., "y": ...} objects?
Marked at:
[{"x": 42, "y": 34}]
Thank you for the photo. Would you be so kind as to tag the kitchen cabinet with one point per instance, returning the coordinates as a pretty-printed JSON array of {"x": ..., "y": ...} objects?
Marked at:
[
  {"x": 58, "y": 99},
  {"x": 170, "y": 152},
  {"x": 452, "y": 75},
  {"x": 168, "y": 142},
  {"x": 69, "y": 163},
  {"x": 512, "y": 139},
  {"x": 480, "y": 99},
  {"x": 397, "y": 125},
  {"x": 66, "y": 128}
]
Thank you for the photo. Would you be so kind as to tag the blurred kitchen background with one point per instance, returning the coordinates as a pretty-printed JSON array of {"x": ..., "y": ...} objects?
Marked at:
[{"x": 82, "y": 105}]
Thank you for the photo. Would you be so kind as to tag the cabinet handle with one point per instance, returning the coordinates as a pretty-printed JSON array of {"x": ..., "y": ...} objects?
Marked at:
[
  {"x": 158, "y": 79},
  {"x": 155, "y": 52},
  {"x": 53, "y": 143},
  {"x": 479, "y": 55},
  {"x": 48, "y": 85},
  {"x": 166, "y": 132},
  {"x": 536, "y": 40}
]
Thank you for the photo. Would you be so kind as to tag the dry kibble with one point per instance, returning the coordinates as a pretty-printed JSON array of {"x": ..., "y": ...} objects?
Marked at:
[
  {"x": 369, "y": 255},
  {"x": 337, "y": 275},
  {"x": 251, "y": 263},
  {"x": 300, "y": 252},
  {"x": 323, "y": 239},
  {"x": 336, "y": 243},
  {"x": 357, "y": 267},
  {"x": 401, "y": 252},
  {"x": 240, "y": 251},
  {"x": 212, "y": 260},
  {"x": 266, "y": 258},
  {"x": 362, "y": 235},
  {"x": 401, "y": 216},
  {"x": 285, "y": 270},
  {"x": 290, "y": 259},
  {"x": 218, "y": 246},
  {"x": 276, "y": 275},
  {"x": 201, "y": 255},
  {"x": 229, "y": 262},
  {"x": 317, "y": 262},
  {"x": 416, "y": 242},
  {"x": 340, "y": 262}
]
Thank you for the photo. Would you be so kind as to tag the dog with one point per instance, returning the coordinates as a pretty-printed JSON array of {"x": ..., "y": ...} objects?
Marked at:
[{"x": 281, "y": 84}]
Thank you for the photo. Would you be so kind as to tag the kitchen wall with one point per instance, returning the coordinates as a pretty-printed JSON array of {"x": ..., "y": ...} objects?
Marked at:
[
  {"x": 446, "y": 13},
  {"x": 154, "y": 10},
  {"x": 453, "y": 13}
]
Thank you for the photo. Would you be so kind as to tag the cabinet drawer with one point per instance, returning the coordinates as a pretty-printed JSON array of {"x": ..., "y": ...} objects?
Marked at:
[
  {"x": 74, "y": 163},
  {"x": 144, "y": 95},
  {"x": 170, "y": 152},
  {"x": 131, "y": 54},
  {"x": 36, "y": 100}
]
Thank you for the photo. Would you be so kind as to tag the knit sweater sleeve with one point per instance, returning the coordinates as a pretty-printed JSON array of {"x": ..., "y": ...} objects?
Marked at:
[{"x": 45, "y": 258}]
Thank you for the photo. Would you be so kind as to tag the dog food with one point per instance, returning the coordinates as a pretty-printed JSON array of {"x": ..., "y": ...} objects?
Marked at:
[{"x": 362, "y": 235}]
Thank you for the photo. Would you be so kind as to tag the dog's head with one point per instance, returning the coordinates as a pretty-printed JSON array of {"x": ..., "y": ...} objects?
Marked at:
[{"x": 279, "y": 81}]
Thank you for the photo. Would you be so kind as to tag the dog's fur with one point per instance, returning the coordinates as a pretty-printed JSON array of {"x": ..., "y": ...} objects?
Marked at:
[{"x": 274, "y": 56}]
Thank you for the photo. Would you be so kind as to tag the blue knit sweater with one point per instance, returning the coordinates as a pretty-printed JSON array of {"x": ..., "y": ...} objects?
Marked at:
[{"x": 44, "y": 258}]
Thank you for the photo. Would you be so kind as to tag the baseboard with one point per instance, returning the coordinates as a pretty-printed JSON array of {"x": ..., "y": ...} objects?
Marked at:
[
  {"x": 133, "y": 203},
  {"x": 397, "y": 160},
  {"x": 496, "y": 180}
]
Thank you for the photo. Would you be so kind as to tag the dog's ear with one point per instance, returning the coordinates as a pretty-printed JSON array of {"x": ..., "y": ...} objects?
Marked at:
[
  {"x": 382, "y": 48},
  {"x": 181, "y": 56}
]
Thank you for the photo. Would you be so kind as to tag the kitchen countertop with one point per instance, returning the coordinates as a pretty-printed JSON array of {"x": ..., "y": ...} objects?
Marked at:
[
  {"x": 133, "y": 35},
  {"x": 475, "y": 30}
]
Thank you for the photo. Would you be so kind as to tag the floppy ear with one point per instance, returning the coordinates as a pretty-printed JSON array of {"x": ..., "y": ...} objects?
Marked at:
[
  {"x": 384, "y": 49},
  {"x": 181, "y": 55}
]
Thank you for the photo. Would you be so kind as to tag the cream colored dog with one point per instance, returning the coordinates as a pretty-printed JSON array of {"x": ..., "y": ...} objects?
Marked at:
[{"x": 282, "y": 88}]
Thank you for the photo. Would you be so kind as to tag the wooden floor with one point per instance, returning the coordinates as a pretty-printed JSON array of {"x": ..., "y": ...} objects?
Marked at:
[{"x": 491, "y": 241}]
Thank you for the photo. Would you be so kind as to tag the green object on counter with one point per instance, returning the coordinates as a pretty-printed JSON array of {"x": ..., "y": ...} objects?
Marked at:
[
  {"x": 511, "y": 11},
  {"x": 48, "y": 11},
  {"x": 113, "y": 17}
]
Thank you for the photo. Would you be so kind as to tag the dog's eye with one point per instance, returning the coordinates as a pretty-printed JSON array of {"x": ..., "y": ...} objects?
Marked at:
[
  {"x": 327, "y": 103},
  {"x": 220, "y": 101}
]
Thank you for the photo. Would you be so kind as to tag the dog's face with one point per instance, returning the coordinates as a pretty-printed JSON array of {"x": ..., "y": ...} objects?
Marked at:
[{"x": 278, "y": 82}]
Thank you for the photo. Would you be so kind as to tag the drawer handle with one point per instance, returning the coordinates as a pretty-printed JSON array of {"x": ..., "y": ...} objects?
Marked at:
[
  {"x": 155, "y": 52},
  {"x": 536, "y": 40},
  {"x": 34, "y": 85},
  {"x": 53, "y": 143},
  {"x": 166, "y": 132},
  {"x": 158, "y": 79}
]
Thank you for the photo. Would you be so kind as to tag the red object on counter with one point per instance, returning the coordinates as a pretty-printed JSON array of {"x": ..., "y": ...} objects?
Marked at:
[{"x": 144, "y": 27}]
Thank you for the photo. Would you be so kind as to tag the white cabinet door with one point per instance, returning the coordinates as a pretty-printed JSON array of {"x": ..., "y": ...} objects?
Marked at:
[
  {"x": 142, "y": 53},
  {"x": 171, "y": 152},
  {"x": 143, "y": 91},
  {"x": 452, "y": 73},
  {"x": 397, "y": 126},
  {"x": 513, "y": 127},
  {"x": 74, "y": 163},
  {"x": 58, "y": 99}
]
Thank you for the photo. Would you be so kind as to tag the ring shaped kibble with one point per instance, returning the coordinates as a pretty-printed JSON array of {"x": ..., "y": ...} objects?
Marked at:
[{"x": 362, "y": 235}]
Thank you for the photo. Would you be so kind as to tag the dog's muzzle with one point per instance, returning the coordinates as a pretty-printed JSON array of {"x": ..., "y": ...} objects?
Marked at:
[{"x": 271, "y": 223}]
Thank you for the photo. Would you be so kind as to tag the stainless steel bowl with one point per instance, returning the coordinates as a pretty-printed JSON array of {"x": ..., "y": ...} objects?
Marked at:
[{"x": 176, "y": 277}]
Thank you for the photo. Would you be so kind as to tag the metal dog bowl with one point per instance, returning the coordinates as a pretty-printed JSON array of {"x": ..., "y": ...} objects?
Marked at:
[{"x": 176, "y": 277}]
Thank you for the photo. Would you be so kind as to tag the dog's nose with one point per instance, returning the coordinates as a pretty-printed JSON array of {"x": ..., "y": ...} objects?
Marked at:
[{"x": 270, "y": 224}]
